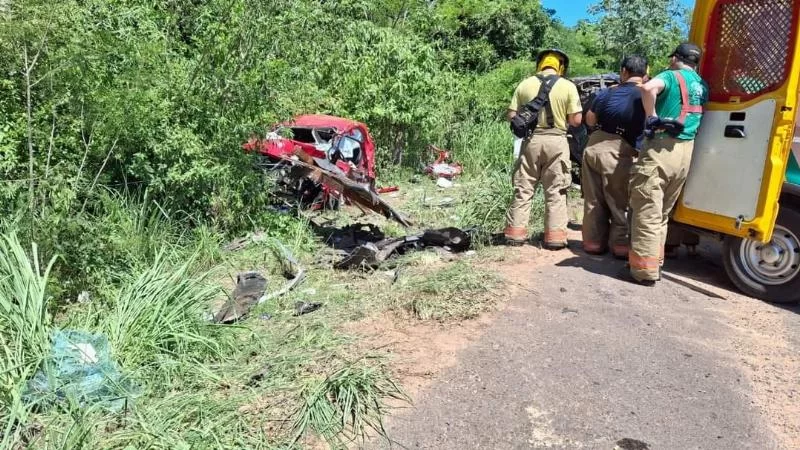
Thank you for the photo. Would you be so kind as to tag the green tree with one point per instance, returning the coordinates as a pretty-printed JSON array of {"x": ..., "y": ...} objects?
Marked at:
[
  {"x": 581, "y": 44},
  {"x": 476, "y": 35},
  {"x": 646, "y": 27}
]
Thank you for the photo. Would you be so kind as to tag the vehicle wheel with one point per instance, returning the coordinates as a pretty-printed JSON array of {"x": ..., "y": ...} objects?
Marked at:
[{"x": 770, "y": 271}]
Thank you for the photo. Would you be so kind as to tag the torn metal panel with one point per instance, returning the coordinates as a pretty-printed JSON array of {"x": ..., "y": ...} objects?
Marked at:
[
  {"x": 358, "y": 194},
  {"x": 250, "y": 286}
]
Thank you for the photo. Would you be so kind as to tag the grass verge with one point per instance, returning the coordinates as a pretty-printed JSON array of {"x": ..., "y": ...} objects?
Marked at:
[{"x": 269, "y": 382}]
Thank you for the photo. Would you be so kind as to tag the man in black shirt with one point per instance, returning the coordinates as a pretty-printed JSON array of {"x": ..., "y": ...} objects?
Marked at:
[{"x": 619, "y": 117}]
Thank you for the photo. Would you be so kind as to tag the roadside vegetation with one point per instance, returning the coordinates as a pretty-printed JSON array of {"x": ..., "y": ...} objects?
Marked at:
[{"x": 121, "y": 179}]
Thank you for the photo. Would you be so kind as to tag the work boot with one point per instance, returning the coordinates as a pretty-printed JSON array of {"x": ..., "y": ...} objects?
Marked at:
[
  {"x": 594, "y": 248},
  {"x": 625, "y": 275},
  {"x": 515, "y": 236},
  {"x": 554, "y": 245},
  {"x": 555, "y": 239}
]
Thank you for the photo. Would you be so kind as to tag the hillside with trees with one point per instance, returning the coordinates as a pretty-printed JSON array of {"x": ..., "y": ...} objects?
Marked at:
[{"x": 121, "y": 123}]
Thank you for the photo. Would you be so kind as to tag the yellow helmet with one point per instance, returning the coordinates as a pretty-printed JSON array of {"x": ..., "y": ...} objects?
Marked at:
[{"x": 553, "y": 58}]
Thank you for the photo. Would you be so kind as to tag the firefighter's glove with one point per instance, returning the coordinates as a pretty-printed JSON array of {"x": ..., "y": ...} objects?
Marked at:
[
  {"x": 652, "y": 124},
  {"x": 673, "y": 127}
]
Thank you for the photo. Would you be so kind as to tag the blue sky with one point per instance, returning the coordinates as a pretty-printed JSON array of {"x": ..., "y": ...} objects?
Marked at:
[{"x": 570, "y": 11}]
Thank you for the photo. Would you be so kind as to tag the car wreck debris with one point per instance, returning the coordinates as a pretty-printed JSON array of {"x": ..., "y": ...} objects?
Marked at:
[
  {"x": 361, "y": 196},
  {"x": 443, "y": 167},
  {"x": 335, "y": 144},
  {"x": 372, "y": 254},
  {"x": 292, "y": 271},
  {"x": 388, "y": 189},
  {"x": 444, "y": 183},
  {"x": 320, "y": 161},
  {"x": 301, "y": 308},
  {"x": 250, "y": 287},
  {"x": 80, "y": 369},
  {"x": 343, "y": 142}
]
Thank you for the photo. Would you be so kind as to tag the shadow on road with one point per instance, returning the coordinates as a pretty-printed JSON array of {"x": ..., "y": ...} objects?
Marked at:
[{"x": 705, "y": 267}]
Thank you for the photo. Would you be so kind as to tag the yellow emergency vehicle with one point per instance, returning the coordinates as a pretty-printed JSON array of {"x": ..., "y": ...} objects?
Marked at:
[{"x": 744, "y": 182}]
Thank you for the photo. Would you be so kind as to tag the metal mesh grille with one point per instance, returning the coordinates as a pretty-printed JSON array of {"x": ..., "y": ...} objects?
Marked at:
[{"x": 749, "y": 47}]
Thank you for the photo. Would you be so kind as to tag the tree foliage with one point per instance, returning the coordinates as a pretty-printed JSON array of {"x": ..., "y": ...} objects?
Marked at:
[
  {"x": 644, "y": 27},
  {"x": 476, "y": 35},
  {"x": 130, "y": 94}
]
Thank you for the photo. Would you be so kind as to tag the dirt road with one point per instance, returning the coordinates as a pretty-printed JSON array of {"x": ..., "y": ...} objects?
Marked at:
[{"x": 577, "y": 358}]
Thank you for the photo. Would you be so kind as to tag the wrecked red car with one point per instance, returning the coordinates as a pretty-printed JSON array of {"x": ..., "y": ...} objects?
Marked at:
[
  {"x": 335, "y": 143},
  {"x": 321, "y": 161}
]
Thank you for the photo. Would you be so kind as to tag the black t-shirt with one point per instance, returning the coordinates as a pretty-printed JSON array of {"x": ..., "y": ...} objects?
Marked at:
[{"x": 619, "y": 110}]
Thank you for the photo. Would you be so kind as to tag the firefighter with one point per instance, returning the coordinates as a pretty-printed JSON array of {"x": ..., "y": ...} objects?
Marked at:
[
  {"x": 619, "y": 117},
  {"x": 544, "y": 157},
  {"x": 673, "y": 104}
]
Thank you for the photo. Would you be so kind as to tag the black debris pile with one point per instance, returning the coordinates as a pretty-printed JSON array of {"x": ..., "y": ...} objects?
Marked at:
[{"x": 366, "y": 246}]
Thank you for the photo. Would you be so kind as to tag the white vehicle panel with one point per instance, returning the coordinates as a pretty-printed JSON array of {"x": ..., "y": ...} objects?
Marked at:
[{"x": 726, "y": 172}]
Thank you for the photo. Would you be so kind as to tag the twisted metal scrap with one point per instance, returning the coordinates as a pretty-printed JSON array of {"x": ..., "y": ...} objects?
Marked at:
[{"x": 292, "y": 270}]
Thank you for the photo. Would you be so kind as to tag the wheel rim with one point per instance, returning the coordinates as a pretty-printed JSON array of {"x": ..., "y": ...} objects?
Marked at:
[{"x": 774, "y": 263}]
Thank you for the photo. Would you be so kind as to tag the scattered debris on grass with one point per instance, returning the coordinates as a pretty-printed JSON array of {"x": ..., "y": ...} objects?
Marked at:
[
  {"x": 80, "y": 370},
  {"x": 444, "y": 183},
  {"x": 372, "y": 254},
  {"x": 243, "y": 242},
  {"x": 366, "y": 245},
  {"x": 350, "y": 236},
  {"x": 250, "y": 287},
  {"x": 259, "y": 376},
  {"x": 301, "y": 308},
  {"x": 443, "y": 167},
  {"x": 84, "y": 297},
  {"x": 388, "y": 189},
  {"x": 441, "y": 203},
  {"x": 292, "y": 271}
]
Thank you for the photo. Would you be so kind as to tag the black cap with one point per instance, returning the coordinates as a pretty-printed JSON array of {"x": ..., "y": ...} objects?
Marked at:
[{"x": 688, "y": 53}]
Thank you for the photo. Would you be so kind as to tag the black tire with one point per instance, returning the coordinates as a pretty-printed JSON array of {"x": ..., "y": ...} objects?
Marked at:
[{"x": 780, "y": 282}]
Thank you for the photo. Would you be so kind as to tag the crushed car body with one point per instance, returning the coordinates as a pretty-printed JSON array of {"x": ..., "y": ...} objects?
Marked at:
[
  {"x": 343, "y": 143},
  {"x": 321, "y": 160}
]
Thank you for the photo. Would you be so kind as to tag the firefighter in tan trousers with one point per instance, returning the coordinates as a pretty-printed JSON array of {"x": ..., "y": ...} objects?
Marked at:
[
  {"x": 619, "y": 117},
  {"x": 545, "y": 154},
  {"x": 673, "y": 103}
]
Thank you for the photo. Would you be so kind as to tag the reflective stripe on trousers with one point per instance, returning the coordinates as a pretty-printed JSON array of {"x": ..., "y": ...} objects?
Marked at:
[
  {"x": 544, "y": 160},
  {"x": 657, "y": 178}
]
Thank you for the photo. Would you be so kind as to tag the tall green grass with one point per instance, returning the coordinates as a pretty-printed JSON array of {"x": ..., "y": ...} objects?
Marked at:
[
  {"x": 157, "y": 316},
  {"x": 347, "y": 404},
  {"x": 484, "y": 148},
  {"x": 136, "y": 226},
  {"x": 154, "y": 323},
  {"x": 25, "y": 323},
  {"x": 149, "y": 275}
]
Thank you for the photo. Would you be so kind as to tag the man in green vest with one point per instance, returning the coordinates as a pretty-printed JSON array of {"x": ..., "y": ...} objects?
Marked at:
[{"x": 673, "y": 105}]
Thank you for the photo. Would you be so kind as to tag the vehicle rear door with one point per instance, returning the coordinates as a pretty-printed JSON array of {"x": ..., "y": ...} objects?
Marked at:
[{"x": 750, "y": 61}]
